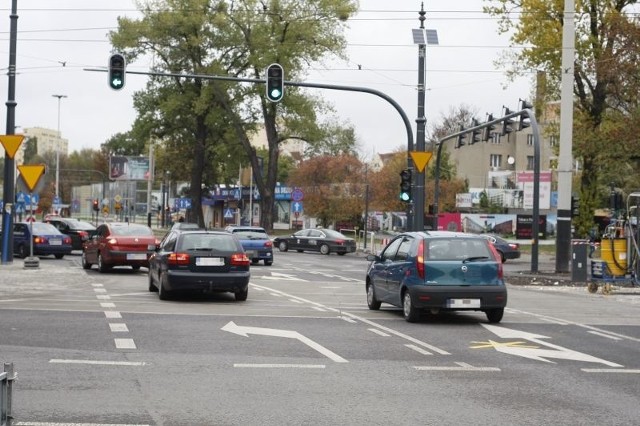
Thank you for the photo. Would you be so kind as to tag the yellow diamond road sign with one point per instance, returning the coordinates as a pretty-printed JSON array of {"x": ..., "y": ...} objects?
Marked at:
[
  {"x": 421, "y": 159},
  {"x": 31, "y": 174},
  {"x": 11, "y": 143}
]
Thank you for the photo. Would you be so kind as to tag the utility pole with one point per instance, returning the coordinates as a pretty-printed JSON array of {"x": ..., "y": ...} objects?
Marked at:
[{"x": 58, "y": 148}]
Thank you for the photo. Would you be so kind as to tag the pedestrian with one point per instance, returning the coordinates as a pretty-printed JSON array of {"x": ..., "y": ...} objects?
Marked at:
[{"x": 592, "y": 241}]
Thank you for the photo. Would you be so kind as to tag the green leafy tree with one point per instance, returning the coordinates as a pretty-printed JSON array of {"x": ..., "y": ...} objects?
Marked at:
[
  {"x": 605, "y": 86},
  {"x": 196, "y": 117}
]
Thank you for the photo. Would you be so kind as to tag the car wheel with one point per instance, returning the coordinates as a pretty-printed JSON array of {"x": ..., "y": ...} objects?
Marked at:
[
  {"x": 268, "y": 262},
  {"x": 102, "y": 267},
  {"x": 502, "y": 256},
  {"x": 255, "y": 261},
  {"x": 85, "y": 264},
  {"x": 410, "y": 313},
  {"x": 24, "y": 251},
  {"x": 163, "y": 293},
  {"x": 152, "y": 286},
  {"x": 241, "y": 296},
  {"x": 342, "y": 253},
  {"x": 324, "y": 249},
  {"x": 59, "y": 256},
  {"x": 494, "y": 315},
  {"x": 135, "y": 267},
  {"x": 373, "y": 303},
  {"x": 283, "y": 246}
]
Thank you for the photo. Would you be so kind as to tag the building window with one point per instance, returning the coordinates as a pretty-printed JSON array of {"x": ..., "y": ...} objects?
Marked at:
[
  {"x": 495, "y": 138},
  {"x": 530, "y": 140},
  {"x": 495, "y": 160},
  {"x": 529, "y": 162},
  {"x": 553, "y": 140}
]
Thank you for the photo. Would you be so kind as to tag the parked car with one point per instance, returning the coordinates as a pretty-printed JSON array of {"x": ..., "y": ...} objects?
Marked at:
[
  {"x": 119, "y": 244},
  {"x": 46, "y": 239},
  {"x": 506, "y": 249},
  {"x": 199, "y": 260},
  {"x": 439, "y": 271},
  {"x": 79, "y": 231},
  {"x": 184, "y": 226},
  {"x": 325, "y": 241},
  {"x": 255, "y": 241}
]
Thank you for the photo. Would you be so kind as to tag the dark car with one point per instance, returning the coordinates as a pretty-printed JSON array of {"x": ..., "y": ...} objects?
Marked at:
[
  {"x": 119, "y": 244},
  {"x": 46, "y": 239},
  {"x": 325, "y": 241},
  {"x": 79, "y": 231},
  {"x": 202, "y": 260},
  {"x": 506, "y": 249},
  {"x": 255, "y": 241},
  {"x": 438, "y": 271}
]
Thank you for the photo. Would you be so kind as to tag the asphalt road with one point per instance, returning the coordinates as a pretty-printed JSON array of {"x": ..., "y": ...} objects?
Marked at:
[{"x": 93, "y": 348}]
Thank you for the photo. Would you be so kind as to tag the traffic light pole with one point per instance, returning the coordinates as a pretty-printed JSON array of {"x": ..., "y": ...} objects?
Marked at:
[
  {"x": 535, "y": 226},
  {"x": 403, "y": 115}
]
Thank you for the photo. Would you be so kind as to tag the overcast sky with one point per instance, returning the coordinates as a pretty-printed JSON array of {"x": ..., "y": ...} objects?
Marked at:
[{"x": 57, "y": 39}]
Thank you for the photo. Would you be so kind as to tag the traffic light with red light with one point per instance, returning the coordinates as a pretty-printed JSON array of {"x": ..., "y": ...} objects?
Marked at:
[{"x": 96, "y": 205}]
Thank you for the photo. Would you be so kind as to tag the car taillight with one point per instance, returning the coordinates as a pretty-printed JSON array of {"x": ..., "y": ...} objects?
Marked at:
[
  {"x": 268, "y": 244},
  {"x": 239, "y": 259},
  {"x": 514, "y": 246},
  {"x": 112, "y": 241},
  {"x": 39, "y": 240},
  {"x": 339, "y": 242},
  {"x": 67, "y": 240},
  {"x": 420, "y": 259},
  {"x": 83, "y": 235},
  {"x": 178, "y": 259},
  {"x": 498, "y": 259}
]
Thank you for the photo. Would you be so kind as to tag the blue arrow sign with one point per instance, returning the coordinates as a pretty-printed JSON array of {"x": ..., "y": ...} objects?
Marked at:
[{"x": 297, "y": 207}]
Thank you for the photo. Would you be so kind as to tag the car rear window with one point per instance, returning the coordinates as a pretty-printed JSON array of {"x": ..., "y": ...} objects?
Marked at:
[
  {"x": 457, "y": 249},
  {"x": 253, "y": 234},
  {"x": 208, "y": 242},
  {"x": 131, "y": 230}
]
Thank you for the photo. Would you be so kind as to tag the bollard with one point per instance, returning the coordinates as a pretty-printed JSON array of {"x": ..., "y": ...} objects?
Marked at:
[{"x": 5, "y": 394}]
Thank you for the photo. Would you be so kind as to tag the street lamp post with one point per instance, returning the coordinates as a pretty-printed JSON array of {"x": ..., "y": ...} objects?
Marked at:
[{"x": 58, "y": 148}]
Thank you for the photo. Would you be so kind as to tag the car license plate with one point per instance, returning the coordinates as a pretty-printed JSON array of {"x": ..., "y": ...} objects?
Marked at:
[
  {"x": 249, "y": 253},
  {"x": 136, "y": 256},
  {"x": 56, "y": 242},
  {"x": 209, "y": 261},
  {"x": 463, "y": 303}
]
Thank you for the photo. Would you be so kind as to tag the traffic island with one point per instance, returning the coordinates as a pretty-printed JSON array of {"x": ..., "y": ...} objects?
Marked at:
[{"x": 31, "y": 262}]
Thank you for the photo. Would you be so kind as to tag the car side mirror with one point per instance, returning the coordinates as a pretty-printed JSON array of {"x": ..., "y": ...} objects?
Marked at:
[{"x": 372, "y": 258}]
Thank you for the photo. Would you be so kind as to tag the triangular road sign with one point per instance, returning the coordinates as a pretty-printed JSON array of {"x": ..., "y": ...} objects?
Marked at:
[
  {"x": 31, "y": 174},
  {"x": 421, "y": 159},
  {"x": 11, "y": 143}
]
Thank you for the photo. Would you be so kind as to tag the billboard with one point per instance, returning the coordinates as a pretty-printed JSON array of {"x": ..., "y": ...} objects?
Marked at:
[{"x": 122, "y": 167}]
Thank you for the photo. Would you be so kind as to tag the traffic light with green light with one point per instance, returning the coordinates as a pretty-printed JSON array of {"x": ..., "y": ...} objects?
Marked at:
[
  {"x": 117, "y": 71},
  {"x": 405, "y": 185},
  {"x": 275, "y": 82}
]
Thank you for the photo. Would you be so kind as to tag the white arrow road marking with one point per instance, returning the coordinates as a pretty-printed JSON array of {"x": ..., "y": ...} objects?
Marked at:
[
  {"x": 290, "y": 334},
  {"x": 555, "y": 351}
]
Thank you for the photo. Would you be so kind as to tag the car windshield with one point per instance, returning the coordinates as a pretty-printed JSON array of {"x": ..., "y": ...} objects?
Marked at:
[
  {"x": 457, "y": 249},
  {"x": 207, "y": 242},
  {"x": 86, "y": 226},
  {"x": 131, "y": 230},
  {"x": 44, "y": 228},
  {"x": 251, "y": 234}
]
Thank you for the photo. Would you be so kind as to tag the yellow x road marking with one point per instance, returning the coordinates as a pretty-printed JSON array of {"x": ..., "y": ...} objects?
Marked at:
[{"x": 493, "y": 344}]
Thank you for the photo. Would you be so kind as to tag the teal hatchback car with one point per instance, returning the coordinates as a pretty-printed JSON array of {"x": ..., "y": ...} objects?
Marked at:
[{"x": 437, "y": 271}]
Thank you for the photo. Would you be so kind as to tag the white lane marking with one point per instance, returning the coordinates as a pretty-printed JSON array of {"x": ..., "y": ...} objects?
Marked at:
[
  {"x": 279, "y": 365},
  {"x": 100, "y": 290},
  {"x": 610, "y": 370},
  {"x": 551, "y": 351},
  {"x": 295, "y": 301},
  {"x": 608, "y": 336},
  {"x": 588, "y": 327},
  {"x": 282, "y": 277},
  {"x": 290, "y": 334},
  {"x": 330, "y": 288},
  {"x": 125, "y": 344},
  {"x": 112, "y": 314},
  {"x": 275, "y": 294},
  {"x": 347, "y": 319},
  {"x": 461, "y": 367},
  {"x": 103, "y": 297},
  {"x": 366, "y": 321},
  {"x": 96, "y": 285},
  {"x": 107, "y": 305},
  {"x": 95, "y": 362},
  {"x": 317, "y": 308},
  {"x": 418, "y": 349},
  {"x": 118, "y": 327},
  {"x": 378, "y": 332}
]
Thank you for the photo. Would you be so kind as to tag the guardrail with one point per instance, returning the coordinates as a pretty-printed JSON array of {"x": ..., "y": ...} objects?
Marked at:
[{"x": 6, "y": 383}]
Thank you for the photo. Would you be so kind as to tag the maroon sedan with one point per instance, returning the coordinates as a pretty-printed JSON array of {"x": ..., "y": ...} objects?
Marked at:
[{"x": 119, "y": 244}]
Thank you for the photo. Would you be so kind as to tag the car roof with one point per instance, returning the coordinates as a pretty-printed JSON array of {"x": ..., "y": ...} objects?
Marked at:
[{"x": 441, "y": 234}]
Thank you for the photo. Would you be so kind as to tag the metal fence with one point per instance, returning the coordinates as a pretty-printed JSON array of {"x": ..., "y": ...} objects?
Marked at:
[{"x": 6, "y": 382}]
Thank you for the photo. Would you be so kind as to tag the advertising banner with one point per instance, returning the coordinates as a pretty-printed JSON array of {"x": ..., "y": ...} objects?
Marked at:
[{"x": 128, "y": 167}]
